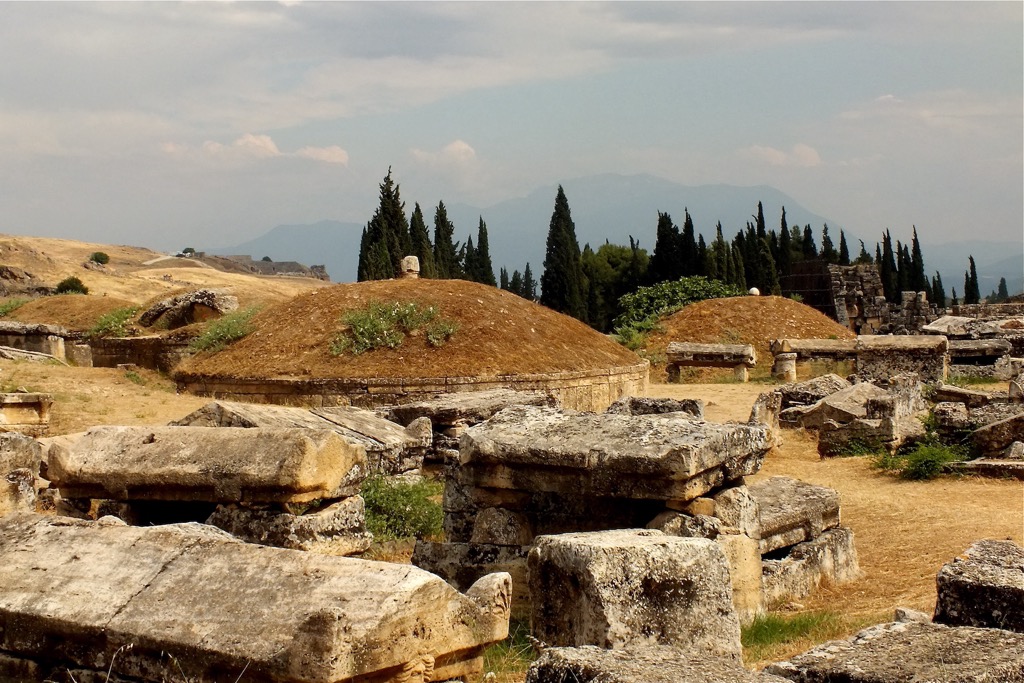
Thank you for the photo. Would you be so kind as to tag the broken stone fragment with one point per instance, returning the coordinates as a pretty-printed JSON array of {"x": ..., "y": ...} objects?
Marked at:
[
  {"x": 830, "y": 558},
  {"x": 738, "y": 512},
  {"x": 983, "y": 588},
  {"x": 992, "y": 439},
  {"x": 337, "y": 529},
  {"x": 689, "y": 526},
  {"x": 229, "y": 465},
  {"x": 640, "y": 405},
  {"x": 766, "y": 411},
  {"x": 792, "y": 511},
  {"x": 467, "y": 407},
  {"x": 909, "y": 652},
  {"x": 841, "y": 407},
  {"x": 619, "y": 588},
  {"x": 811, "y": 391},
  {"x": 129, "y": 600},
  {"x": 463, "y": 564},
  {"x": 637, "y": 664}
]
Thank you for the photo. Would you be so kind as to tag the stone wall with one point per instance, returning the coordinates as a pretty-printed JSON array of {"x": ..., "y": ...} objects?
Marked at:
[
  {"x": 987, "y": 310},
  {"x": 592, "y": 390},
  {"x": 151, "y": 352}
]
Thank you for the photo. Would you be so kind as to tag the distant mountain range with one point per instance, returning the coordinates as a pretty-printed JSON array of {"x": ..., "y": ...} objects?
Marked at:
[{"x": 614, "y": 207}]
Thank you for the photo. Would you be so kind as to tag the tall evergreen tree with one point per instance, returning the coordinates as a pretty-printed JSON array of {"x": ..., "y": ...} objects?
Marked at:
[
  {"x": 515, "y": 285},
  {"x": 785, "y": 260},
  {"x": 364, "y": 248},
  {"x": 739, "y": 278},
  {"x": 955, "y": 302},
  {"x": 762, "y": 233},
  {"x": 421, "y": 246},
  {"x": 704, "y": 258},
  {"x": 844, "y": 249},
  {"x": 769, "y": 278},
  {"x": 938, "y": 291},
  {"x": 864, "y": 257},
  {"x": 503, "y": 279},
  {"x": 810, "y": 249},
  {"x": 446, "y": 251},
  {"x": 467, "y": 259},
  {"x": 918, "y": 279},
  {"x": 665, "y": 261},
  {"x": 904, "y": 268},
  {"x": 972, "y": 293},
  {"x": 529, "y": 288},
  {"x": 387, "y": 232},
  {"x": 484, "y": 267},
  {"x": 562, "y": 285},
  {"x": 828, "y": 250},
  {"x": 888, "y": 270},
  {"x": 1002, "y": 293},
  {"x": 721, "y": 252},
  {"x": 688, "y": 250}
]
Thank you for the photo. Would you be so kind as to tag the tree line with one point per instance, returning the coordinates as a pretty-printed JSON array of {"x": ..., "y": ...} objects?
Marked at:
[{"x": 588, "y": 284}]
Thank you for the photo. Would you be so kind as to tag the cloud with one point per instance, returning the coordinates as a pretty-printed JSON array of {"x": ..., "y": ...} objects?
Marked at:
[
  {"x": 250, "y": 147},
  {"x": 457, "y": 153},
  {"x": 800, "y": 156}
]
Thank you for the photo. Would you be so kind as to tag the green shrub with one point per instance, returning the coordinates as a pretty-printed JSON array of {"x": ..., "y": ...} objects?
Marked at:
[
  {"x": 647, "y": 304},
  {"x": 71, "y": 285},
  {"x": 385, "y": 325},
  {"x": 926, "y": 460},
  {"x": 8, "y": 307},
  {"x": 224, "y": 331},
  {"x": 99, "y": 257},
  {"x": 113, "y": 324},
  {"x": 398, "y": 509}
]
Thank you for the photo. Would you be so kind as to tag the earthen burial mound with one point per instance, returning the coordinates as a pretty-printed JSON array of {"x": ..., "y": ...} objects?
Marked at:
[
  {"x": 498, "y": 335},
  {"x": 754, "y": 320},
  {"x": 76, "y": 312}
]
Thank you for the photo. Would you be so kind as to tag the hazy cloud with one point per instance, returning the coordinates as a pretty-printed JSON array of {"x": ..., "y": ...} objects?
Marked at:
[
  {"x": 801, "y": 155},
  {"x": 250, "y": 147}
]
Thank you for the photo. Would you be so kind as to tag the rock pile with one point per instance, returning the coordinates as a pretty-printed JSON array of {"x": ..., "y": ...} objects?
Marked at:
[{"x": 190, "y": 307}]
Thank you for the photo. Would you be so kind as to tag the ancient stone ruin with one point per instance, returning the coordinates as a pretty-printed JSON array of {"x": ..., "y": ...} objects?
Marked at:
[
  {"x": 101, "y": 601},
  {"x": 190, "y": 307},
  {"x": 293, "y": 488},
  {"x": 739, "y": 357}
]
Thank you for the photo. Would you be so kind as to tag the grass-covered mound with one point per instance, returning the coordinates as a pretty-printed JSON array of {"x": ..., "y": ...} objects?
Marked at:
[{"x": 492, "y": 333}]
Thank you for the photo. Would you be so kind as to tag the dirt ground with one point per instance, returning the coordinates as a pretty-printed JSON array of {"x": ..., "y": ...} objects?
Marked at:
[{"x": 905, "y": 531}]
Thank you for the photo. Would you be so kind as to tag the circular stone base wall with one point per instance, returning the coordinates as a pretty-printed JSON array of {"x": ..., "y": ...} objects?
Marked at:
[{"x": 592, "y": 390}]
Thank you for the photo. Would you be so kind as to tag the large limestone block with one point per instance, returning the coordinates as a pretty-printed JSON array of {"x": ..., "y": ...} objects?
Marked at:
[
  {"x": 390, "y": 447},
  {"x": 994, "y": 438},
  {"x": 843, "y": 406},
  {"x": 631, "y": 587},
  {"x": 741, "y": 552},
  {"x": 229, "y": 465},
  {"x": 77, "y": 592},
  {"x": 652, "y": 664},
  {"x": 829, "y": 559},
  {"x": 792, "y": 511},
  {"x": 20, "y": 461},
  {"x": 621, "y": 456},
  {"x": 912, "y": 652},
  {"x": 983, "y": 588},
  {"x": 338, "y": 529}
]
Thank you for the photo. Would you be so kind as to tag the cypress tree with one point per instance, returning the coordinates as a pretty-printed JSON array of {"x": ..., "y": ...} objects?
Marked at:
[
  {"x": 918, "y": 279},
  {"x": 956, "y": 302},
  {"x": 484, "y": 268},
  {"x": 390, "y": 229},
  {"x": 863, "y": 257},
  {"x": 972, "y": 293},
  {"x": 707, "y": 264},
  {"x": 1002, "y": 293},
  {"x": 421, "y": 246},
  {"x": 769, "y": 278},
  {"x": 529, "y": 284},
  {"x": 828, "y": 250},
  {"x": 562, "y": 285},
  {"x": 363, "y": 256},
  {"x": 844, "y": 249},
  {"x": 810, "y": 249},
  {"x": 722, "y": 256},
  {"x": 446, "y": 258},
  {"x": 889, "y": 272},
  {"x": 739, "y": 278},
  {"x": 688, "y": 251},
  {"x": 467, "y": 257},
  {"x": 503, "y": 279},
  {"x": 904, "y": 267},
  {"x": 785, "y": 247},
  {"x": 666, "y": 256},
  {"x": 759, "y": 218},
  {"x": 515, "y": 285},
  {"x": 938, "y": 291}
]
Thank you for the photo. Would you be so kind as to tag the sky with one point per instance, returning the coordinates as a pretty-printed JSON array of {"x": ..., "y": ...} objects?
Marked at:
[{"x": 206, "y": 124}]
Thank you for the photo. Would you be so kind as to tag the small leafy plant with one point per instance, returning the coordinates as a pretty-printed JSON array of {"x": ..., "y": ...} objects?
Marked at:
[
  {"x": 385, "y": 325},
  {"x": 225, "y": 330},
  {"x": 100, "y": 257},
  {"x": 11, "y": 306},
  {"x": 926, "y": 460},
  {"x": 71, "y": 285},
  {"x": 397, "y": 509},
  {"x": 113, "y": 324}
]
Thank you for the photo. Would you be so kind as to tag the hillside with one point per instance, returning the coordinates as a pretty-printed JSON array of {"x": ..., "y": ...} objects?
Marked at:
[{"x": 134, "y": 275}]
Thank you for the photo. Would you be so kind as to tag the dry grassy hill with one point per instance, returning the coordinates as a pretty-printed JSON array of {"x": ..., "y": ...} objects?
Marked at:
[
  {"x": 497, "y": 333},
  {"x": 134, "y": 276}
]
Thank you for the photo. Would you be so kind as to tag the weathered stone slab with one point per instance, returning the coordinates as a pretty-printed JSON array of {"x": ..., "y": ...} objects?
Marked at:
[
  {"x": 843, "y": 406},
  {"x": 79, "y": 592},
  {"x": 967, "y": 350},
  {"x": 911, "y": 652},
  {"x": 338, "y": 529},
  {"x": 639, "y": 405},
  {"x": 649, "y": 664},
  {"x": 972, "y": 398},
  {"x": 997, "y": 468},
  {"x": 589, "y": 455},
  {"x": 627, "y": 587},
  {"x": 463, "y": 564},
  {"x": 992, "y": 439},
  {"x": 829, "y": 558},
  {"x": 390, "y": 447},
  {"x": 27, "y": 413},
  {"x": 984, "y": 588},
  {"x": 811, "y": 391},
  {"x": 792, "y": 511},
  {"x": 468, "y": 407},
  {"x": 710, "y": 355},
  {"x": 807, "y": 349},
  {"x": 744, "y": 559},
  {"x": 881, "y": 356},
  {"x": 227, "y": 465}
]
